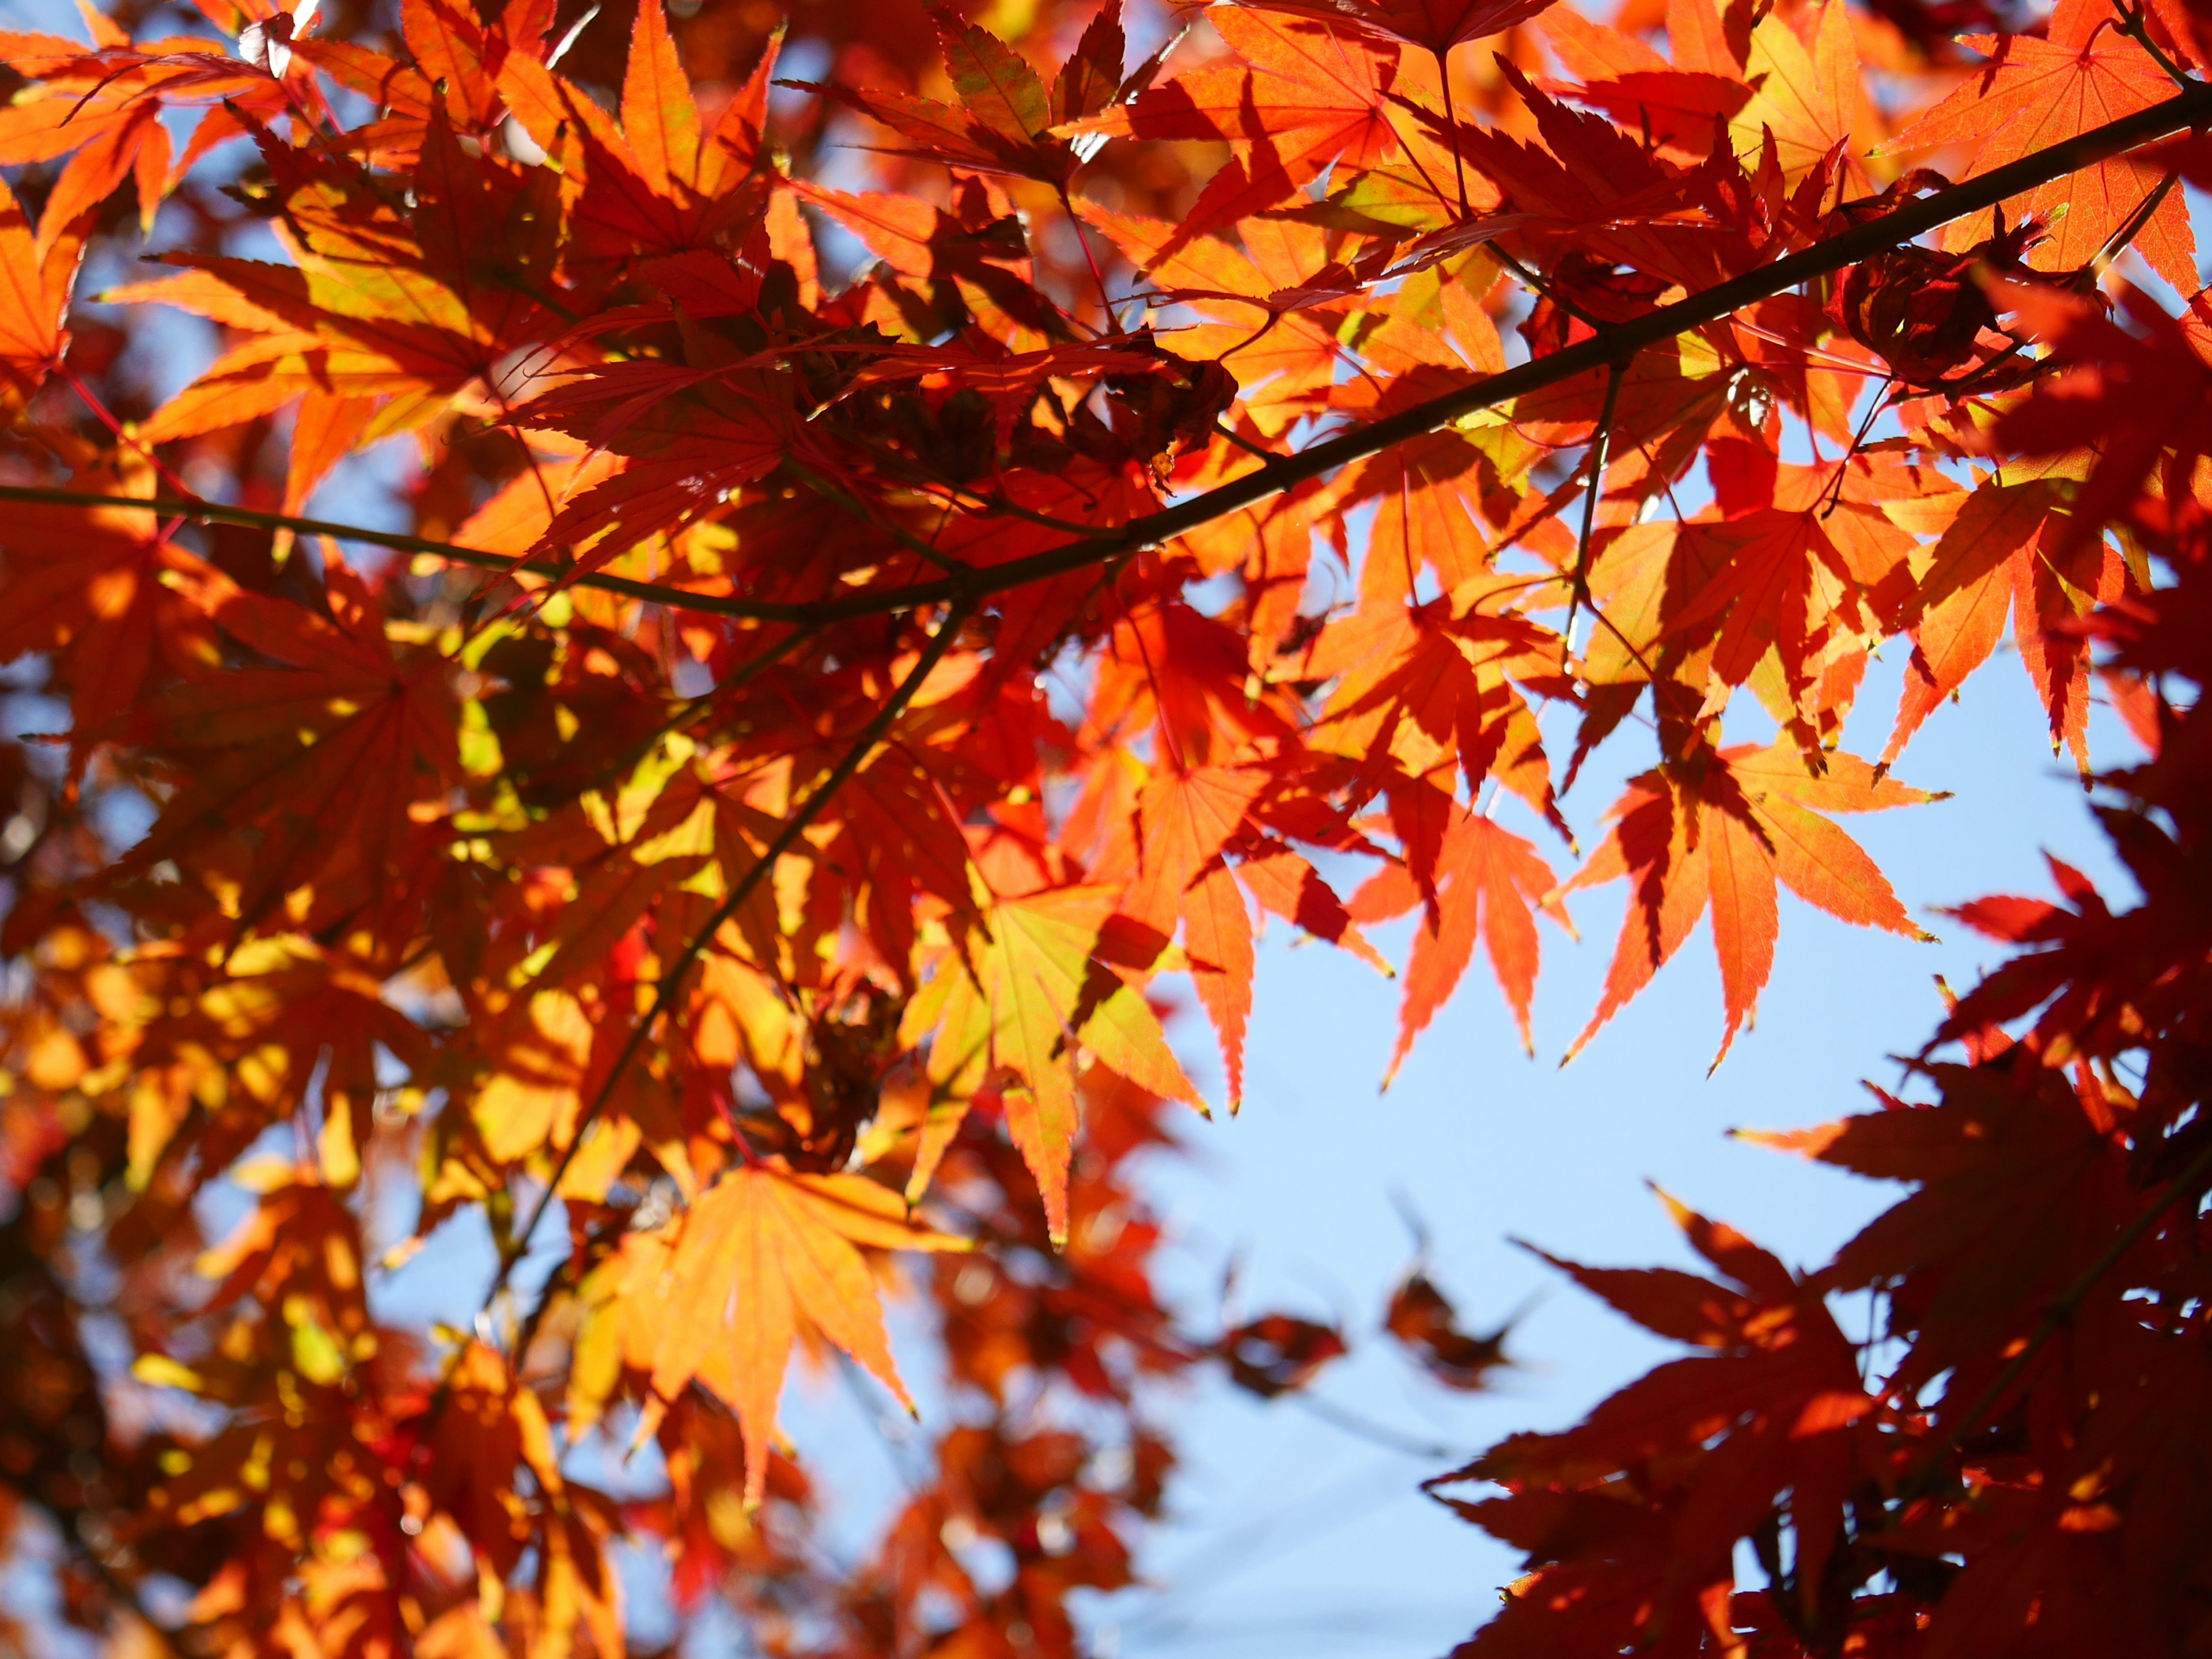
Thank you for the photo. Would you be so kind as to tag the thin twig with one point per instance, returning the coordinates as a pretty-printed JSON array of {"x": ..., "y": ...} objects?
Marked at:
[
  {"x": 1223, "y": 430},
  {"x": 1543, "y": 286},
  {"x": 1376, "y": 1434},
  {"x": 1083, "y": 242},
  {"x": 1858, "y": 438},
  {"x": 2131, "y": 228},
  {"x": 198, "y": 512},
  {"x": 2132, "y": 24},
  {"x": 116, "y": 430},
  {"x": 1600, "y": 453}
]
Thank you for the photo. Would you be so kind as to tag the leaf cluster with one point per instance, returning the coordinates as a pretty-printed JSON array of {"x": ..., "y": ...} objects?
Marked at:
[{"x": 903, "y": 573}]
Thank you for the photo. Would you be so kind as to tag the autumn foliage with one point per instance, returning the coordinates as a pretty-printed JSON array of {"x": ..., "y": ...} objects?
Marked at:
[{"x": 915, "y": 536}]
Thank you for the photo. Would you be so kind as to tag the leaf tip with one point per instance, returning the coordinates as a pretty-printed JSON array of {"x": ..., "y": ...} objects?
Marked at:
[{"x": 1680, "y": 1213}]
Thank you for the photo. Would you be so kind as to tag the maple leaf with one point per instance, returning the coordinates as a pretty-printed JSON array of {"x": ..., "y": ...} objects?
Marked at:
[
  {"x": 37, "y": 273},
  {"x": 1629, "y": 1517},
  {"x": 758, "y": 1252},
  {"x": 282, "y": 1014},
  {"x": 1014, "y": 1013},
  {"x": 1276, "y": 1353},
  {"x": 377, "y": 323},
  {"x": 1718, "y": 833},
  {"x": 1635, "y": 84},
  {"x": 1283, "y": 356},
  {"x": 2010, "y": 552},
  {"x": 490, "y": 1433},
  {"x": 814, "y": 694},
  {"x": 1006, "y": 122},
  {"x": 1487, "y": 884},
  {"x": 1808, "y": 95},
  {"x": 1218, "y": 940},
  {"x": 1761, "y": 594},
  {"x": 91, "y": 592},
  {"x": 1422, "y": 1318},
  {"x": 2094, "y": 975},
  {"x": 1311, "y": 97},
  {"x": 103, "y": 106},
  {"x": 685, "y": 438},
  {"x": 1184, "y": 820},
  {"x": 2031, "y": 93},
  {"x": 2127, "y": 397},
  {"x": 1424, "y": 687},
  {"x": 317, "y": 757},
  {"x": 2020, "y": 1181},
  {"x": 655, "y": 181}
]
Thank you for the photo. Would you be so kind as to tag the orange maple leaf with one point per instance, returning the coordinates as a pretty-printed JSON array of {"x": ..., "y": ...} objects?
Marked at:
[
  {"x": 1716, "y": 833},
  {"x": 758, "y": 1252},
  {"x": 2035, "y": 93}
]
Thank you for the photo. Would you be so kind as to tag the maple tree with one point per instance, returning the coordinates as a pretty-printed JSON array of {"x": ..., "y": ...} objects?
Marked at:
[{"x": 905, "y": 565}]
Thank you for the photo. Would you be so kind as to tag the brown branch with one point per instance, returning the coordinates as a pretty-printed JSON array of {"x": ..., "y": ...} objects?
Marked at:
[
  {"x": 1861, "y": 241},
  {"x": 2186, "y": 110}
]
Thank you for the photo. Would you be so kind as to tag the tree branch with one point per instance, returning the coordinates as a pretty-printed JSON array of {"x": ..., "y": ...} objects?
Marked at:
[
  {"x": 199, "y": 511},
  {"x": 1902, "y": 224},
  {"x": 2186, "y": 110}
]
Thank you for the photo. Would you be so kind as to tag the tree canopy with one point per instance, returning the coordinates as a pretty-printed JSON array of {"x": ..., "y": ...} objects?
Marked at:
[{"x": 918, "y": 534}]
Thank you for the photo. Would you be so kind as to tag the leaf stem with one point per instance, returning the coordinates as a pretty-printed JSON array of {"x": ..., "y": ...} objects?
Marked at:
[
  {"x": 1858, "y": 439},
  {"x": 1361, "y": 1427},
  {"x": 116, "y": 430},
  {"x": 1451, "y": 122},
  {"x": 1083, "y": 242},
  {"x": 1542, "y": 287},
  {"x": 2132, "y": 24}
]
